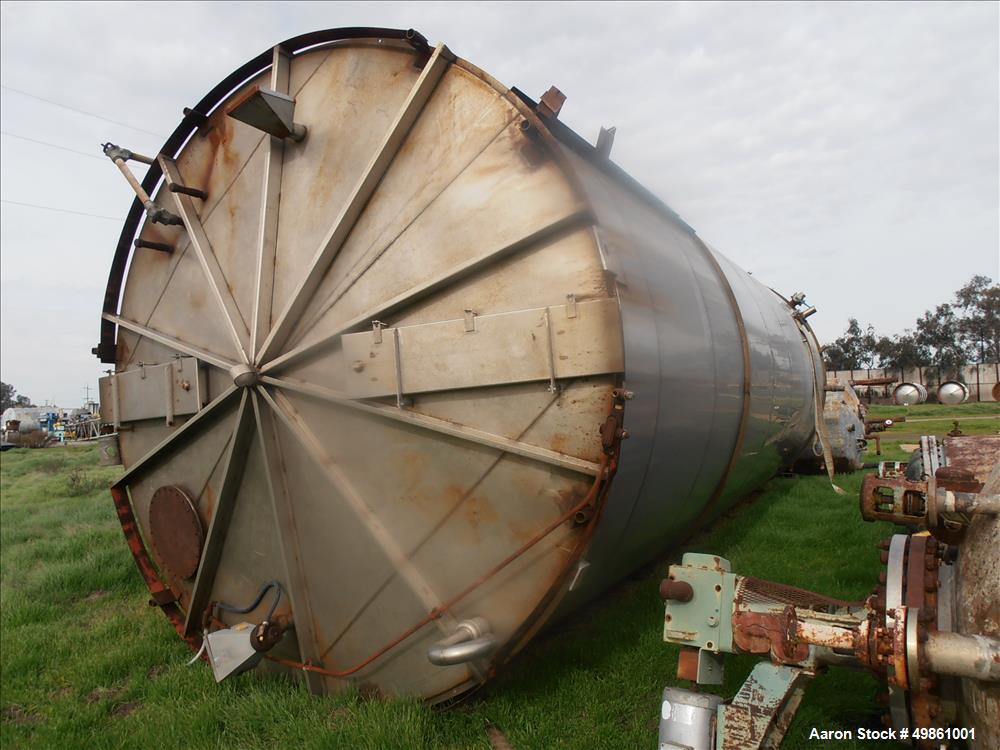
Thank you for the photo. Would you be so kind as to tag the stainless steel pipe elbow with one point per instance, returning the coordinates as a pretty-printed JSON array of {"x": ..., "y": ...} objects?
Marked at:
[{"x": 471, "y": 640}]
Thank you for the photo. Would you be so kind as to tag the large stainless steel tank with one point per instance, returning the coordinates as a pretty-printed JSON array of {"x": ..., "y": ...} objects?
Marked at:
[{"x": 438, "y": 360}]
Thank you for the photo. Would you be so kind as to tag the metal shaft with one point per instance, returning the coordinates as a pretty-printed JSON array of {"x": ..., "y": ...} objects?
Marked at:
[
  {"x": 974, "y": 656},
  {"x": 136, "y": 186}
]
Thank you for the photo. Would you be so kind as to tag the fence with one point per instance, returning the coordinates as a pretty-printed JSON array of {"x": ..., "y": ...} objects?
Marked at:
[{"x": 980, "y": 379}]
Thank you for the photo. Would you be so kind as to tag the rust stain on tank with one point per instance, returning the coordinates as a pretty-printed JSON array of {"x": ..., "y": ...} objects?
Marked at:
[
  {"x": 220, "y": 135},
  {"x": 477, "y": 511},
  {"x": 208, "y": 505},
  {"x": 558, "y": 442},
  {"x": 412, "y": 468},
  {"x": 566, "y": 499}
]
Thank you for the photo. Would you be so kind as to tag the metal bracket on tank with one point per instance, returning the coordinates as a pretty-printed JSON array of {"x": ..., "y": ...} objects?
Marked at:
[
  {"x": 269, "y": 111},
  {"x": 613, "y": 430},
  {"x": 119, "y": 155}
]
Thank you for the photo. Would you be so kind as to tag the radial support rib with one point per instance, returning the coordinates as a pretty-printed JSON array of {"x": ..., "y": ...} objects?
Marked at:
[
  {"x": 173, "y": 441},
  {"x": 274, "y": 154},
  {"x": 442, "y": 426},
  {"x": 210, "y": 264},
  {"x": 284, "y": 520},
  {"x": 382, "y": 536},
  {"x": 170, "y": 341},
  {"x": 457, "y": 272},
  {"x": 342, "y": 225},
  {"x": 232, "y": 477}
]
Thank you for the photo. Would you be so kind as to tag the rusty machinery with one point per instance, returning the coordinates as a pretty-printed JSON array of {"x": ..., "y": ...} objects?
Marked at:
[
  {"x": 929, "y": 630},
  {"x": 875, "y": 427}
]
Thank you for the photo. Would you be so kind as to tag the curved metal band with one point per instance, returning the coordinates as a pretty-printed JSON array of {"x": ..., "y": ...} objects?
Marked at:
[
  {"x": 105, "y": 350},
  {"x": 912, "y": 652},
  {"x": 895, "y": 574},
  {"x": 161, "y": 593},
  {"x": 737, "y": 451}
]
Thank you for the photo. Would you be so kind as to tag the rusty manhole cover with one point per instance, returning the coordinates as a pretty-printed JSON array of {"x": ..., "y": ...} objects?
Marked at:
[{"x": 176, "y": 531}]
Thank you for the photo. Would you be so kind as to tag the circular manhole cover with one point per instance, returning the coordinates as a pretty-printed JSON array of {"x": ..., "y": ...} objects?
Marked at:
[{"x": 176, "y": 531}]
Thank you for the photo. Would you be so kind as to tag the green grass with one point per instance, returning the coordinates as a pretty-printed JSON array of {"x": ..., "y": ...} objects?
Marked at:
[
  {"x": 936, "y": 419},
  {"x": 937, "y": 411},
  {"x": 86, "y": 663}
]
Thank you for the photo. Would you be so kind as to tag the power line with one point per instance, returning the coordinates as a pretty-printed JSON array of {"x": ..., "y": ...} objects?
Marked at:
[
  {"x": 138, "y": 165},
  {"x": 52, "y": 145},
  {"x": 61, "y": 210},
  {"x": 80, "y": 111}
]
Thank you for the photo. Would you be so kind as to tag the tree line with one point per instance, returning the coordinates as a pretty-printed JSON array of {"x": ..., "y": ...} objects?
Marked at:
[
  {"x": 9, "y": 398},
  {"x": 964, "y": 331}
]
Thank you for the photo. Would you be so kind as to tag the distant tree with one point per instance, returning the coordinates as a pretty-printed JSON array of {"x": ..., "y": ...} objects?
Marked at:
[
  {"x": 7, "y": 394},
  {"x": 940, "y": 332},
  {"x": 978, "y": 303},
  {"x": 952, "y": 335},
  {"x": 9, "y": 398},
  {"x": 868, "y": 347},
  {"x": 835, "y": 358},
  {"x": 901, "y": 351},
  {"x": 854, "y": 350}
]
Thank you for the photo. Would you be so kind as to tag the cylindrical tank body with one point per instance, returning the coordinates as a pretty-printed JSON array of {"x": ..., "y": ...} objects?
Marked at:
[
  {"x": 952, "y": 392},
  {"x": 437, "y": 362},
  {"x": 909, "y": 394}
]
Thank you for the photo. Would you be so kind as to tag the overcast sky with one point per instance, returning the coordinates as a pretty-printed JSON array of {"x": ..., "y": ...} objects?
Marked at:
[{"x": 846, "y": 150}]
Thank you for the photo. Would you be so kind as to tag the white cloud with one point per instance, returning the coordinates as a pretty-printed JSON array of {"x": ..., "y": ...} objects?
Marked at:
[{"x": 846, "y": 149}]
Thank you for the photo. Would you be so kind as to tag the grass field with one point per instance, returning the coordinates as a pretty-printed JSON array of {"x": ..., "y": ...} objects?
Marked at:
[
  {"x": 84, "y": 662},
  {"x": 935, "y": 419}
]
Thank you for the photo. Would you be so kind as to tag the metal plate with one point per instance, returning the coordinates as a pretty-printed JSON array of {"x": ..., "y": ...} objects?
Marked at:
[
  {"x": 175, "y": 530},
  {"x": 505, "y": 348},
  {"x": 976, "y": 454},
  {"x": 167, "y": 390}
]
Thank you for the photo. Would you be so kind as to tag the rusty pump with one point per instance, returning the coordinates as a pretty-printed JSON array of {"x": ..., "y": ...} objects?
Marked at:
[{"x": 904, "y": 635}]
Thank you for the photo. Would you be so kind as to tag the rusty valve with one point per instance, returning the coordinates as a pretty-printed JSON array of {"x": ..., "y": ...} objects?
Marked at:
[
  {"x": 678, "y": 591},
  {"x": 266, "y": 636}
]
